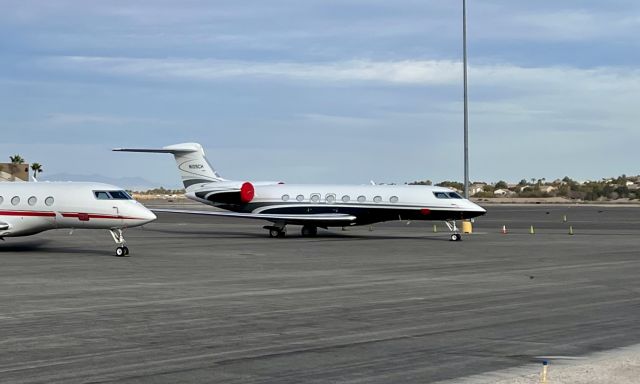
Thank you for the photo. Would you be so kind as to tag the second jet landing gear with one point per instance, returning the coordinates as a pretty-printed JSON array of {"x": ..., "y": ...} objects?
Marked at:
[
  {"x": 455, "y": 235},
  {"x": 122, "y": 249},
  {"x": 276, "y": 230}
]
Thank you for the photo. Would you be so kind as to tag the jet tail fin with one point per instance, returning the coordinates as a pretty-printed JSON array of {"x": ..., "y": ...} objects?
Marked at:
[{"x": 192, "y": 163}]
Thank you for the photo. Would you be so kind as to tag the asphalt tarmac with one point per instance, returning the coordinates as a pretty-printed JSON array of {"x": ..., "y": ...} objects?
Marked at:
[{"x": 204, "y": 300}]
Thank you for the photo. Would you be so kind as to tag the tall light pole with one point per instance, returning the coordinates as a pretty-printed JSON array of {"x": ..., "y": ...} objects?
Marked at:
[{"x": 466, "y": 101}]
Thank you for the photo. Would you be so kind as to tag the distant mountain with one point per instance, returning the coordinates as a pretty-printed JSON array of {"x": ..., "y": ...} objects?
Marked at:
[{"x": 130, "y": 183}]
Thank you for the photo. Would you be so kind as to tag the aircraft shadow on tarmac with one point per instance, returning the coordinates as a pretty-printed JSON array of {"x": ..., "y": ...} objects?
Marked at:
[
  {"x": 322, "y": 236},
  {"x": 40, "y": 246},
  {"x": 23, "y": 246}
]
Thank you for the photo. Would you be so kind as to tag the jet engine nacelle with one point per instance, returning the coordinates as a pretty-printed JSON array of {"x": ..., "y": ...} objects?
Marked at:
[{"x": 230, "y": 192}]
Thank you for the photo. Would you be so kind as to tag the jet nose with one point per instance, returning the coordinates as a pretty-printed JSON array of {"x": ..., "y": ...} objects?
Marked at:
[
  {"x": 148, "y": 216},
  {"x": 142, "y": 214},
  {"x": 475, "y": 209},
  {"x": 479, "y": 209}
]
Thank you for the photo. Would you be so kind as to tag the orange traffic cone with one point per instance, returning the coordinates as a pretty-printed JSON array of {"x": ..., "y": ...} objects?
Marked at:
[{"x": 504, "y": 230}]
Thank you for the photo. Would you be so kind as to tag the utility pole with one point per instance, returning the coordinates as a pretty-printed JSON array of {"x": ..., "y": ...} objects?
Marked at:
[{"x": 466, "y": 101}]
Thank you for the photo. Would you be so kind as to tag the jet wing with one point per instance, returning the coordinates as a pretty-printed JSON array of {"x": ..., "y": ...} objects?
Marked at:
[{"x": 293, "y": 219}]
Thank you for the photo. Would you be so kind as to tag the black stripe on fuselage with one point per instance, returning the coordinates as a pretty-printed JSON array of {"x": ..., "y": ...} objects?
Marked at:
[
  {"x": 189, "y": 182},
  {"x": 365, "y": 215}
]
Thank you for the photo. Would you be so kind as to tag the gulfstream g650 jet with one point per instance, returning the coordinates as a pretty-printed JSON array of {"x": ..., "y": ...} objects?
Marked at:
[{"x": 311, "y": 205}]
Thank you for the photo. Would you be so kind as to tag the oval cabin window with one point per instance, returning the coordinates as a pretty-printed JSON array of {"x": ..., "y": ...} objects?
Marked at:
[
  {"x": 345, "y": 198},
  {"x": 377, "y": 199},
  {"x": 32, "y": 200},
  {"x": 361, "y": 199},
  {"x": 394, "y": 199},
  {"x": 315, "y": 197},
  {"x": 300, "y": 198},
  {"x": 330, "y": 198},
  {"x": 285, "y": 197},
  {"x": 15, "y": 200},
  {"x": 48, "y": 201}
]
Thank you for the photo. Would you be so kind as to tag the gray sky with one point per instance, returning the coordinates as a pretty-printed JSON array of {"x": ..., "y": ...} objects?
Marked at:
[{"x": 323, "y": 91}]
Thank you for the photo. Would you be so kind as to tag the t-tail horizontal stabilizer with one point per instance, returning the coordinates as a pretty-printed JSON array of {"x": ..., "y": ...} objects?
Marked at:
[{"x": 192, "y": 163}]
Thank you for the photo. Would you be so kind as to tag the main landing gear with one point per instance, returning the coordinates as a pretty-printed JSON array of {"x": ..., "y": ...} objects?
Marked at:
[
  {"x": 276, "y": 230},
  {"x": 118, "y": 237},
  {"x": 455, "y": 235}
]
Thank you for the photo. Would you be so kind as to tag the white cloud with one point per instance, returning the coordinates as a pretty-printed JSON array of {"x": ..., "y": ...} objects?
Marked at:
[
  {"x": 401, "y": 72},
  {"x": 565, "y": 98},
  {"x": 562, "y": 97},
  {"x": 63, "y": 119}
]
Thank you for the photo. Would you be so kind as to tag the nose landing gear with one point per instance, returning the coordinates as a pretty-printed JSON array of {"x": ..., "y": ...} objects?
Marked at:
[
  {"x": 455, "y": 236},
  {"x": 118, "y": 237},
  {"x": 122, "y": 251}
]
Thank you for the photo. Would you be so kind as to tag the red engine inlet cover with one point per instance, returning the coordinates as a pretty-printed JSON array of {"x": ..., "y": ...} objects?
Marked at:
[{"x": 247, "y": 192}]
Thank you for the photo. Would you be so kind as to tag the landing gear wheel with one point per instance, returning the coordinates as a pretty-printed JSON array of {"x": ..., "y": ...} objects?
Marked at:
[
  {"x": 122, "y": 249},
  {"x": 456, "y": 237},
  {"x": 274, "y": 232},
  {"x": 309, "y": 231}
]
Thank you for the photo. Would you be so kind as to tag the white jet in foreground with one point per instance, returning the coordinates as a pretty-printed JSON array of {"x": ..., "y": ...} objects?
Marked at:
[
  {"x": 311, "y": 206},
  {"x": 30, "y": 208}
]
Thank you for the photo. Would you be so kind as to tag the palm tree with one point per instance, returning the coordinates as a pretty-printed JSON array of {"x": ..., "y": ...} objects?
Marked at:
[
  {"x": 36, "y": 168},
  {"x": 15, "y": 160}
]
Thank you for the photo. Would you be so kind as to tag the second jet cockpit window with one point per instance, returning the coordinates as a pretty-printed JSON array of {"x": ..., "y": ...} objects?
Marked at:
[{"x": 447, "y": 195}]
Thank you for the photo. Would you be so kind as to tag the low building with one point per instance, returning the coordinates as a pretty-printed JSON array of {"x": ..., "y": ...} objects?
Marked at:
[
  {"x": 476, "y": 188},
  {"x": 14, "y": 172},
  {"x": 503, "y": 192},
  {"x": 548, "y": 188}
]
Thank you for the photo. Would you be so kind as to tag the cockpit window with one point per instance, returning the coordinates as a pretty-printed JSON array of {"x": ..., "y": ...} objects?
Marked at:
[
  {"x": 109, "y": 195},
  {"x": 441, "y": 195},
  {"x": 454, "y": 195},
  {"x": 101, "y": 195},
  {"x": 119, "y": 195}
]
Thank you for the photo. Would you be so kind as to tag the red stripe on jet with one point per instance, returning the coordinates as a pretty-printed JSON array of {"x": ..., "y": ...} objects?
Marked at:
[
  {"x": 79, "y": 215},
  {"x": 83, "y": 216},
  {"x": 28, "y": 213}
]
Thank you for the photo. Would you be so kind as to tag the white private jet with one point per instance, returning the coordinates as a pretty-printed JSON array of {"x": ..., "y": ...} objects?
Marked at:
[
  {"x": 30, "y": 208},
  {"x": 311, "y": 206}
]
